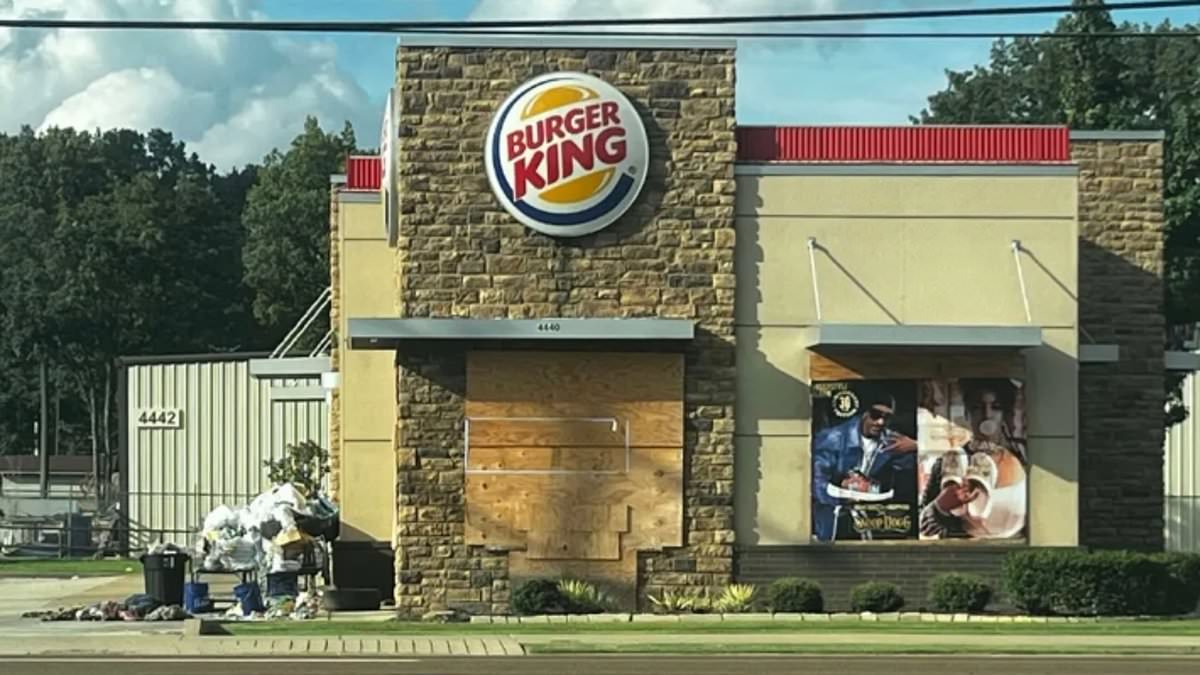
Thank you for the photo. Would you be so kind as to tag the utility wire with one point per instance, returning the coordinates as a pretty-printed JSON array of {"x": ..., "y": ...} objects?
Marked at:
[{"x": 406, "y": 26}]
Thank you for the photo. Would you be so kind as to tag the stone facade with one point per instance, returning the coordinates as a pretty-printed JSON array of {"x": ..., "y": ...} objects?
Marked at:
[
  {"x": 461, "y": 255},
  {"x": 1121, "y": 302},
  {"x": 335, "y": 316}
]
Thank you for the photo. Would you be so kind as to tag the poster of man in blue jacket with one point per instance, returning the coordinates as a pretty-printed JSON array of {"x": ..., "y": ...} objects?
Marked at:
[{"x": 864, "y": 469}]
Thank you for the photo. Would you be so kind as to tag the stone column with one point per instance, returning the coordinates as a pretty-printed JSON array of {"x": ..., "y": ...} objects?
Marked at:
[
  {"x": 1121, "y": 302},
  {"x": 461, "y": 255},
  {"x": 335, "y": 318}
]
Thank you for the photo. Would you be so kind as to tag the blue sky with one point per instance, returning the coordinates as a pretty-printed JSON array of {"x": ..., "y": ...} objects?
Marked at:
[
  {"x": 234, "y": 96},
  {"x": 792, "y": 82}
]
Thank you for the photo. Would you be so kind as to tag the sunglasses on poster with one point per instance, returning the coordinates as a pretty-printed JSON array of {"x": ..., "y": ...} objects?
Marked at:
[{"x": 877, "y": 414}]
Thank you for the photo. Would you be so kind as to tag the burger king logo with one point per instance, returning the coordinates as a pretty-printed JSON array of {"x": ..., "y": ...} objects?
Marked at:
[{"x": 566, "y": 154}]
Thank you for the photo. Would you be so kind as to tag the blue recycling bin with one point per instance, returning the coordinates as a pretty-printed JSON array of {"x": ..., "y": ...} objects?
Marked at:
[{"x": 249, "y": 597}]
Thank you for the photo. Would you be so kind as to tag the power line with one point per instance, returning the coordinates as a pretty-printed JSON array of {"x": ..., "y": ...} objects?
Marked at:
[{"x": 408, "y": 26}]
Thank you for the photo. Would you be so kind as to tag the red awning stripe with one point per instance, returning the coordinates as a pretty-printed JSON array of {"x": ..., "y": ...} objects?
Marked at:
[
  {"x": 998, "y": 145},
  {"x": 364, "y": 172}
]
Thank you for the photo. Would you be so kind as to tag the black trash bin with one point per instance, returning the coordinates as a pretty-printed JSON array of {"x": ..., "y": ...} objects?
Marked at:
[{"x": 165, "y": 574}]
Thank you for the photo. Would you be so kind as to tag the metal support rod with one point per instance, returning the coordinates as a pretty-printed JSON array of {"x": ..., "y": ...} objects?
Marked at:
[
  {"x": 303, "y": 323},
  {"x": 43, "y": 434},
  {"x": 325, "y": 342},
  {"x": 1016, "y": 249},
  {"x": 812, "y": 266}
]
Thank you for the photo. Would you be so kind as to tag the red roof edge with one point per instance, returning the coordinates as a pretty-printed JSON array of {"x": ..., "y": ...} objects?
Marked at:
[
  {"x": 364, "y": 172},
  {"x": 917, "y": 144},
  {"x": 851, "y": 144}
]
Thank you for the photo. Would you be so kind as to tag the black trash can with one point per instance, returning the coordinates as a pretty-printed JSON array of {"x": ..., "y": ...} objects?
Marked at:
[{"x": 165, "y": 574}]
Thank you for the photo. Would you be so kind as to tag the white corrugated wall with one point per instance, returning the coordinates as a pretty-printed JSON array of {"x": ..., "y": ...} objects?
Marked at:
[
  {"x": 1181, "y": 475},
  {"x": 230, "y": 428}
]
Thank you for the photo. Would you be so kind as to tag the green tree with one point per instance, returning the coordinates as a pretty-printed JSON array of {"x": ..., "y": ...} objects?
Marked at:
[
  {"x": 287, "y": 228},
  {"x": 111, "y": 244},
  {"x": 1109, "y": 83}
]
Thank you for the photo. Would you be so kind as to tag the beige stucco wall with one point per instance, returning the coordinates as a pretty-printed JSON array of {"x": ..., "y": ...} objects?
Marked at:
[
  {"x": 367, "y": 394},
  {"x": 909, "y": 249}
]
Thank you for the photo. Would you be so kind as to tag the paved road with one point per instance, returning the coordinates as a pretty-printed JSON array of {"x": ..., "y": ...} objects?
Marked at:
[{"x": 624, "y": 665}]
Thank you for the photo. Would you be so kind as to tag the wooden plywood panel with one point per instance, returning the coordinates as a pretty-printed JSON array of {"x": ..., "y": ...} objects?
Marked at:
[
  {"x": 643, "y": 390},
  {"x": 555, "y": 512},
  {"x": 914, "y": 364},
  {"x": 545, "y": 543},
  {"x": 562, "y": 458},
  {"x": 648, "y": 502},
  {"x": 500, "y": 524},
  {"x": 495, "y": 524},
  {"x": 546, "y": 432}
]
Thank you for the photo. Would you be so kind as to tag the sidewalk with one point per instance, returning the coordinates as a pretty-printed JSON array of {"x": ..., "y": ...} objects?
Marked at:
[
  {"x": 316, "y": 647},
  {"x": 165, "y": 645}
]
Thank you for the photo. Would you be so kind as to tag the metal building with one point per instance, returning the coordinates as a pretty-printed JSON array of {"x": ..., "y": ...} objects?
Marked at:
[
  {"x": 196, "y": 431},
  {"x": 1181, "y": 473}
]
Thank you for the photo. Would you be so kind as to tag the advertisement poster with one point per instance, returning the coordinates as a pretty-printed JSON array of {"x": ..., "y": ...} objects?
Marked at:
[
  {"x": 864, "y": 460},
  {"x": 919, "y": 459},
  {"x": 973, "y": 459}
]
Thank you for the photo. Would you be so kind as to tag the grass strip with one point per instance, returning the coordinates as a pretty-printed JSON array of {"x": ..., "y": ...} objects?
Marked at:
[
  {"x": 576, "y": 647},
  {"x": 55, "y": 567},
  {"x": 322, "y": 628}
]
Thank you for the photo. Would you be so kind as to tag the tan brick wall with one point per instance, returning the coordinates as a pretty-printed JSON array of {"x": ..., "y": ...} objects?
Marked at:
[
  {"x": 461, "y": 255},
  {"x": 1121, "y": 301}
]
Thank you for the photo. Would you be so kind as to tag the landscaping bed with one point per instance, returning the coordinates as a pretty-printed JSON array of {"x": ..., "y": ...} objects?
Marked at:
[
  {"x": 67, "y": 567},
  {"x": 565, "y": 625}
]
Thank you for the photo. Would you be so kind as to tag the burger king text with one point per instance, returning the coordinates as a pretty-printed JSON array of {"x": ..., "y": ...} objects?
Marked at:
[{"x": 544, "y": 152}]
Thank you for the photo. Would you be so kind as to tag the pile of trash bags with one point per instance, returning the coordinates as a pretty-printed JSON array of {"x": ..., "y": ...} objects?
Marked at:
[
  {"x": 306, "y": 605},
  {"x": 138, "y": 607},
  {"x": 277, "y": 532}
]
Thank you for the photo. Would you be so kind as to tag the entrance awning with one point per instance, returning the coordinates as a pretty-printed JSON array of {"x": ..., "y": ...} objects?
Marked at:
[
  {"x": 391, "y": 332},
  {"x": 863, "y": 335}
]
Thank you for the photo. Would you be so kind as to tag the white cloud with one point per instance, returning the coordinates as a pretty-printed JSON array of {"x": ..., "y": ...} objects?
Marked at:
[
  {"x": 604, "y": 9},
  {"x": 788, "y": 81},
  {"x": 657, "y": 9},
  {"x": 628, "y": 9},
  {"x": 231, "y": 95}
]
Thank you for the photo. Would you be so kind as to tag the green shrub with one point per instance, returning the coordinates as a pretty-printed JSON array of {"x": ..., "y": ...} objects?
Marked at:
[
  {"x": 679, "y": 601},
  {"x": 303, "y": 464},
  {"x": 955, "y": 592},
  {"x": 538, "y": 596},
  {"x": 735, "y": 599},
  {"x": 584, "y": 598},
  {"x": 1182, "y": 592},
  {"x": 1111, "y": 583},
  {"x": 876, "y": 596},
  {"x": 794, "y": 595}
]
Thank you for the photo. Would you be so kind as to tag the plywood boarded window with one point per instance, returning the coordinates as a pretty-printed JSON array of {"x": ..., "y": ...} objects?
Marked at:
[{"x": 574, "y": 459}]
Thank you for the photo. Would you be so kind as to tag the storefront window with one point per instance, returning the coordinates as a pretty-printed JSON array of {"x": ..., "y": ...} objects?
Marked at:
[{"x": 919, "y": 459}]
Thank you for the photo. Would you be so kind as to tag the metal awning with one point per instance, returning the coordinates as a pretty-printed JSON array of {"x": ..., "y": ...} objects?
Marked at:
[
  {"x": 893, "y": 335},
  {"x": 390, "y": 332}
]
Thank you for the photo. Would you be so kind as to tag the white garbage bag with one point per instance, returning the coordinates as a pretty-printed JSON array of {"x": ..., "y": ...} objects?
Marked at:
[
  {"x": 248, "y": 519},
  {"x": 220, "y": 518},
  {"x": 243, "y": 554}
]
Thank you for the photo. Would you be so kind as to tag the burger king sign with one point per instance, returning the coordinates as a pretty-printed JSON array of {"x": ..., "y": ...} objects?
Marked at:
[{"x": 566, "y": 154}]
